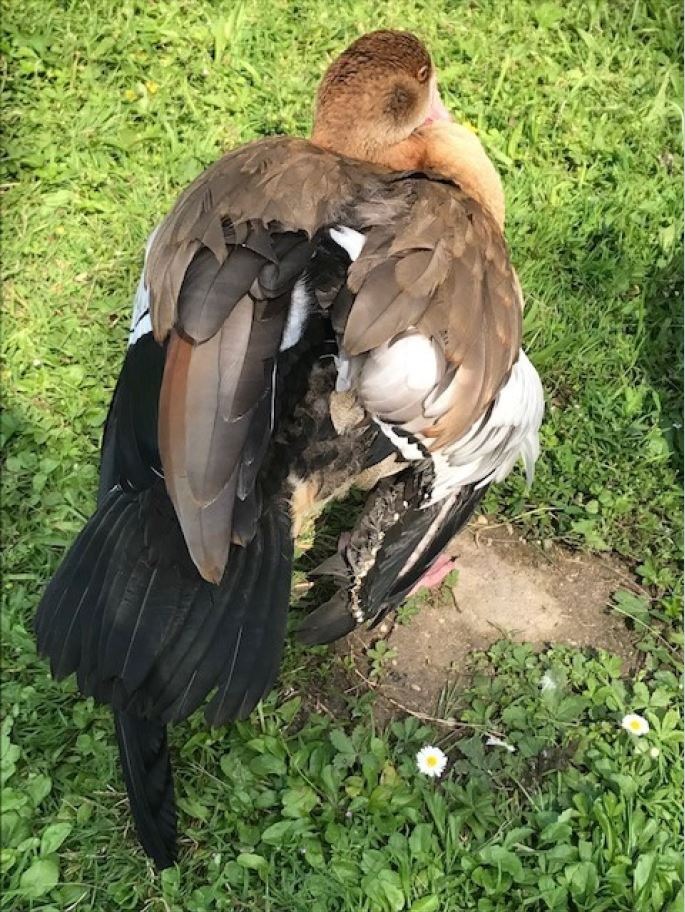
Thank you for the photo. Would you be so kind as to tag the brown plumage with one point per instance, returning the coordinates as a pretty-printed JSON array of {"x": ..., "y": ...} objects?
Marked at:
[
  {"x": 312, "y": 314},
  {"x": 386, "y": 80},
  {"x": 434, "y": 259},
  {"x": 444, "y": 270}
]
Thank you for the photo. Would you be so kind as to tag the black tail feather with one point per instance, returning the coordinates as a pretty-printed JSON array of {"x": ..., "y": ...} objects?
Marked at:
[
  {"x": 459, "y": 514},
  {"x": 129, "y": 613},
  {"x": 256, "y": 662},
  {"x": 328, "y": 622},
  {"x": 145, "y": 760}
]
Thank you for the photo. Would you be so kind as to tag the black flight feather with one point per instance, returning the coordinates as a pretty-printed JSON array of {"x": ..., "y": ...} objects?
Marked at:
[{"x": 144, "y": 754}]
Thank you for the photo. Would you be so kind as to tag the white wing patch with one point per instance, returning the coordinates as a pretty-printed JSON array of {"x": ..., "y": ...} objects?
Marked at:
[
  {"x": 141, "y": 324},
  {"x": 492, "y": 447},
  {"x": 350, "y": 240},
  {"x": 348, "y": 371},
  {"x": 297, "y": 315},
  {"x": 352, "y": 243},
  {"x": 396, "y": 379}
]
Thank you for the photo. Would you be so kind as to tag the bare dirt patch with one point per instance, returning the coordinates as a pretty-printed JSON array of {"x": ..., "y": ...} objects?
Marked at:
[{"x": 506, "y": 588}]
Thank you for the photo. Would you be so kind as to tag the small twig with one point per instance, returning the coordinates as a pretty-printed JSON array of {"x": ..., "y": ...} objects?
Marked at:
[
  {"x": 672, "y": 649},
  {"x": 424, "y": 717},
  {"x": 477, "y": 530},
  {"x": 510, "y": 522},
  {"x": 201, "y": 769},
  {"x": 622, "y": 574},
  {"x": 525, "y": 792},
  {"x": 302, "y": 587},
  {"x": 76, "y": 902},
  {"x": 320, "y": 705}
]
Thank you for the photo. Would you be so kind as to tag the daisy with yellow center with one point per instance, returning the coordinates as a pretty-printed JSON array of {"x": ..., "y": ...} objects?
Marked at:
[
  {"x": 636, "y": 725},
  {"x": 431, "y": 761}
]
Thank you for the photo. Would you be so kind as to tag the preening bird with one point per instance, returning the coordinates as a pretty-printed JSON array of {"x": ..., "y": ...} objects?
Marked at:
[{"x": 312, "y": 315}]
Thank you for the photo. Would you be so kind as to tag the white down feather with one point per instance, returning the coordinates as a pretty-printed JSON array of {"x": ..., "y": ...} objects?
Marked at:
[{"x": 404, "y": 381}]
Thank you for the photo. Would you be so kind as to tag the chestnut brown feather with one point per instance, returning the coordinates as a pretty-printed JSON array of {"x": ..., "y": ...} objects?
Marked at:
[
  {"x": 373, "y": 95},
  {"x": 208, "y": 403},
  {"x": 239, "y": 419},
  {"x": 433, "y": 260},
  {"x": 460, "y": 291}
]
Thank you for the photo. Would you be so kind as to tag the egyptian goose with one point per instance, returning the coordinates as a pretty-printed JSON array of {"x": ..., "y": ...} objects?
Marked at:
[{"x": 311, "y": 314}]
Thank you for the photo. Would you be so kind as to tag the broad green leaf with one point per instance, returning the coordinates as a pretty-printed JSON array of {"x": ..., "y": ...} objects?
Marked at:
[
  {"x": 570, "y": 709},
  {"x": 299, "y": 801},
  {"x": 385, "y": 890},
  {"x": 548, "y": 14},
  {"x": 267, "y": 765},
  {"x": 39, "y": 879},
  {"x": 288, "y": 710},
  {"x": 39, "y": 788},
  {"x": 426, "y": 904},
  {"x": 252, "y": 861},
  {"x": 276, "y": 833},
  {"x": 584, "y": 880},
  {"x": 644, "y": 872},
  {"x": 631, "y": 605},
  {"x": 504, "y": 860},
  {"x": 342, "y": 742},
  {"x": 53, "y": 837}
]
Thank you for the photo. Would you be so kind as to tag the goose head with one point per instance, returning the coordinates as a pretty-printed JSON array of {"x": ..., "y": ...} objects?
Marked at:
[
  {"x": 375, "y": 95},
  {"x": 379, "y": 102}
]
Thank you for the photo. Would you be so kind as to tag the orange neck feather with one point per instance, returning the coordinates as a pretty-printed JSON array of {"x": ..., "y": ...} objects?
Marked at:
[
  {"x": 447, "y": 148},
  {"x": 454, "y": 152}
]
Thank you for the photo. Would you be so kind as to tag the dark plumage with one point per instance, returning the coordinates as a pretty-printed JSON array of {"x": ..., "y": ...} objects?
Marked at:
[
  {"x": 306, "y": 321},
  {"x": 144, "y": 754},
  {"x": 393, "y": 544}
]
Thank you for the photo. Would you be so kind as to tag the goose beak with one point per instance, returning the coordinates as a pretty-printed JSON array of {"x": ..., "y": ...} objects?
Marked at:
[{"x": 437, "y": 110}]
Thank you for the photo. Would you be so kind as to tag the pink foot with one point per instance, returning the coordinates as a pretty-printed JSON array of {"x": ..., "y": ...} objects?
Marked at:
[{"x": 436, "y": 573}]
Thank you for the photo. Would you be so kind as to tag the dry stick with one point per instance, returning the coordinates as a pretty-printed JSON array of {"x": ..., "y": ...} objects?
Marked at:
[
  {"x": 672, "y": 649},
  {"x": 424, "y": 717},
  {"x": 320, "y": 705},
  {"x": 476, "y": 531},
  {"x": 622, "y": 574}
]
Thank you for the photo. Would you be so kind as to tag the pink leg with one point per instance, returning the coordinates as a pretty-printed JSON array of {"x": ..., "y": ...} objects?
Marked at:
[{"x": 435, "y": 574}]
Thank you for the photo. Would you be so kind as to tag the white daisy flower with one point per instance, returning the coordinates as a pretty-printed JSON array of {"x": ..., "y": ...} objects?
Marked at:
[
  {"x": 636, "y": 725},
  {"x": 498, "y": 742},
  {"x": 654, "y": 752},
  {"x": 431, "y": 761}
]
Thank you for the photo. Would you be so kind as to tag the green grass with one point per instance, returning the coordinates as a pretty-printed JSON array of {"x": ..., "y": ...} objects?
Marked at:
[{"x": 110, "y": 109}]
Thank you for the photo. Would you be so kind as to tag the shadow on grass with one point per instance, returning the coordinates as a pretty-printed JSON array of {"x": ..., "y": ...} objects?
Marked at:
[{"x": 661, "y": 356}]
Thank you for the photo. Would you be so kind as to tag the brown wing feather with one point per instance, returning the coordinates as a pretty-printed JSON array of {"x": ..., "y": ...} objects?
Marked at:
[
  {"x": 210, "y": 395},
  {"x": 171, "y": 421},
  {"x": 278, "y": 181},
  {"x": 198, "y": 517},
  {"x": 220, "y": 271},
  {"x": 442, "y": 268}
]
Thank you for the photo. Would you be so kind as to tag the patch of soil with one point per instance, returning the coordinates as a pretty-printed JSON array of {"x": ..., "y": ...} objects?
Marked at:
[{"x": 506, "y": 588}]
